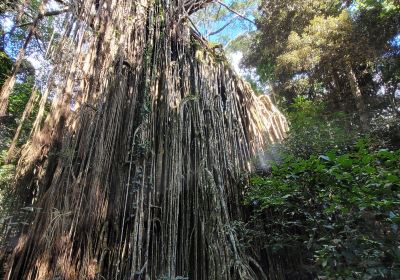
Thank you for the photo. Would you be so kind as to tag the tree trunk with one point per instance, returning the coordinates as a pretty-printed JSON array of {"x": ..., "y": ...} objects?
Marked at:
[
  {"x": 28, "y": 108},
  {"x": 337, "y": 92},
  {"x": 356, "y": 92},
  {"x": 140, "y": 180},
  {"x": 9, "y": 83}
]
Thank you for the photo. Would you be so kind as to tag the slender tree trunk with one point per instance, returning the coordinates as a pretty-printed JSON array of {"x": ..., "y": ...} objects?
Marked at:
[
  {"x": 356, "y": 92},
  {"x": 20, "y": 13},
  {"x": 28, "y": 108},
  {"x": 8, "y": 85},
  {"x": 391, "y": 93},
  {"x": 337, "y": 89}
]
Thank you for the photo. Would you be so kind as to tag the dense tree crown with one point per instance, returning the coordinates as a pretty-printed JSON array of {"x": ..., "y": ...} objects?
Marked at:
[{"x": 326, "y": 49}]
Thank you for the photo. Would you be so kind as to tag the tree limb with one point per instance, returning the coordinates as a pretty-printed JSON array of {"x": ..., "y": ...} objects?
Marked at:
[
  {"x": 193, "y": 6},
  {"x": 195, "y": 27},
  {"x": 233, "y": 11},
  {"x": 24, "y": 24},
  {"x": 39, "y": 40},
  {"x": 223, "y": 27},
  {"x": 61, "y": 2},
  {"x": 56, "y": 12},
  {"x": 46, "y": 14}
]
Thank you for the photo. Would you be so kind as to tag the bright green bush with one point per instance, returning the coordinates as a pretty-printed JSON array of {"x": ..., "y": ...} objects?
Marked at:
[{"x": 340, "y": 211}]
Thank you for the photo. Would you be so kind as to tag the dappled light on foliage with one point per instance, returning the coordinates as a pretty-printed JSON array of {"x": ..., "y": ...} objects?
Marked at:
[
  {"x": 131, "y": 149},
  {"x": 337, "y": 51},
  {"x": 338, "y": 212},
  {"x": 133, "y": 172}
]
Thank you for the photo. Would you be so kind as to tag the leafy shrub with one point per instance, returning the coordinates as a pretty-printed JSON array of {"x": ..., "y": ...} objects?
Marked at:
[
  {"x": 340, "y": 211},
  {"x": 385, "y": 131},
  {"x": 314, "y": 130}
]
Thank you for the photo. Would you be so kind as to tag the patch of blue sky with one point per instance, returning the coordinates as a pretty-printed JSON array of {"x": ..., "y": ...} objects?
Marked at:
[
  {"x": 395, "y": 41},
  {"x": 10, "y": 48},
  {"x": 7, "y": 24},
  {"x": 229, "y": 27},
  {"x": 36, "y": 58},
  {"x": 238, "y": 27}
]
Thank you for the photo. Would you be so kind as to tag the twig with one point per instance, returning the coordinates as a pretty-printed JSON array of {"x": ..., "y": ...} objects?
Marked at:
[
  {"x": 195, "y": 28},
  {"x": 223, "y": 27},
  {"x": 56, "y": 12},
  {"x": 46, "y": 14},
  {"x": 233, "y": 11}
]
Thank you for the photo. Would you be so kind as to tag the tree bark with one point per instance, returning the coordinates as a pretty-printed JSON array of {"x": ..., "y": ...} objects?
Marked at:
[
  {"x": 140, "y": 180},
  {"x": 356, "y": 92}
]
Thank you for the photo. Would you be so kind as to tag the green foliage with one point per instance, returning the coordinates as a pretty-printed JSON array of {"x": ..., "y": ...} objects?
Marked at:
[
  {"x": 17, "y": 102},
  {"x": 340, "y": 211},
  {"x": 5, "y": 67},
  {"x": 323, "y": 42},
  {"x": 22, "y": 91},
  {"x": 13, "y": 37},
  {"x": 387, "y": 7},
  {"x": 254, "y": 85},
  {"x": 7, "y": 173},
  {"x": 19, "y": 97},
  {"x": 8, "y": 217},
  {"x": 314, "y": 130}
]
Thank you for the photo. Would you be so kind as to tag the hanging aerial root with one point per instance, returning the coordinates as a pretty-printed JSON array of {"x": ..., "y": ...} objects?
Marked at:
[{"x": 139, "y": 179}]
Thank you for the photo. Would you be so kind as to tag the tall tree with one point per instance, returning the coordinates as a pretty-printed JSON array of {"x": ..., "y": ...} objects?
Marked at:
[
  {"x": 134, "y": 172},
  {"x": 32, "y": 33},
  {"x": 10, "y": 81},
  {"x": 325, "y": 49}
]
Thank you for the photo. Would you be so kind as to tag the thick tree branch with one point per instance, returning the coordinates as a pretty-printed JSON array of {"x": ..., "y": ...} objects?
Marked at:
[
  {"x": 193, "y": 6},
  {"x": 39, "y": 41},
  {"x": 195, "y": 29}
]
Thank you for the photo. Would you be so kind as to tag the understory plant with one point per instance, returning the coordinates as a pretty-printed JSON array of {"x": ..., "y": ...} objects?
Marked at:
[
  {"x": 340, "y": 211},
  {"x": 314, "y": 129}
]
